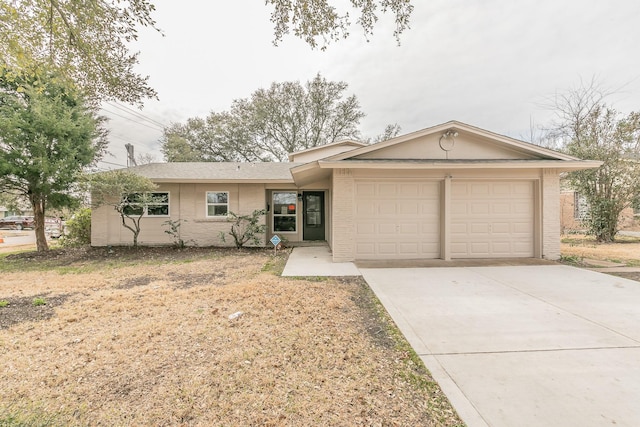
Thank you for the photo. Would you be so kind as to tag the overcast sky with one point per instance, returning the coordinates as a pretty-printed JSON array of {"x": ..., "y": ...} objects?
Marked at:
[{"x": 488, "y": 63}]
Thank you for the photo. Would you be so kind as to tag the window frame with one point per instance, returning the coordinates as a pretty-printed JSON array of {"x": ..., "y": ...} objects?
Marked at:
[
  {"x": 207, "y": 204},
  {"x": 275, "y": 215},
  {"x": 145, "y": 206}
]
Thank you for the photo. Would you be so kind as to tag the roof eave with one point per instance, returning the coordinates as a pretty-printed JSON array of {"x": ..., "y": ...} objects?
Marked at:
[
  {"x": 512, "y": 142},
  {"x": 220, "y": 181},
  {"x": 561, "y": 165}
]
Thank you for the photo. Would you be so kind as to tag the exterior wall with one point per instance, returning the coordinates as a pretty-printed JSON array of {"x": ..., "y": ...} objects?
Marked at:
[
  {"x": 187, "y": 202},
  {"x": 466, "y": 146},
  {"x": 550, "y": 189},
  {"x": 628, "y": 221},
  {"x": 342, "y": 214}
]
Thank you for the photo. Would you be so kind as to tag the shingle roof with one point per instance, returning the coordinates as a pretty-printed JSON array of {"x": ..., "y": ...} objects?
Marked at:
[{"x": 217, "y": 171}]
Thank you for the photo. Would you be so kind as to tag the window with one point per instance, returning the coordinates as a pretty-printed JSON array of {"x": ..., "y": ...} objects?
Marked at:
[
  {"x": 217, "y": 203},
  {"x": 284, "y": 211},
  {"x": 149, "y": 204}
]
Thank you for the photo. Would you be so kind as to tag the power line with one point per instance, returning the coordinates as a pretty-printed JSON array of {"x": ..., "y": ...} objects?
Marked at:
[
  {"x": 111, "y": 163},
  {"x": 135, "y": 113},
  {"x": 156, "y": 128},
  {"x": 124, "y": 139}
]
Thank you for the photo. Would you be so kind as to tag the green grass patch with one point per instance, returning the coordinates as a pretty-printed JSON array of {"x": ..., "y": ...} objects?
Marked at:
[
  {"x": 38, "y": 301},
  {"x": 571, "y": 259},
  {"x": 31, "y": 417},
  {"x": 4, "y": 303}
]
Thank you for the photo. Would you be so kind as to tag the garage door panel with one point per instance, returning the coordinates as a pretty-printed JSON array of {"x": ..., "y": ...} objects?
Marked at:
[
  {"x": 387, "y": 209},
  {"x": 492, "y": 219},
  {"x": 482, "y": 208},
  {"x": 459, "y": 208},
  {"x": 409, "y": 228},
  {"x": 409, "y": 190},
  {"x": 387, "y": 248},
  {"x": 408, "y": 248},
  {"x": 409, "y": 207},
  {"x": 478, "y": 190},
  {"x": 365, "y": 208},
  {"x": 479, "y": 248},
  {"x": 387, "y": 190},
  {"x": 402, "y": 219},
  {"x": 365, "y": 248},
  {"x": 522, "y": 228},
  {"x": 501, "y": 228},
  {"x": 480, "y": 228},
  {"x": 501, "y": 208},
  {"x": 365, "y": 229}
]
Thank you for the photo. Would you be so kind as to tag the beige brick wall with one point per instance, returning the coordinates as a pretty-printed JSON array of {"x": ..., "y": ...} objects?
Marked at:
[
  {"x": 187, "y": 202},
  {"x": 627, "y": 221},
  {"x": 550, "y": 214},
  {"x": 100, "y": 226},
  {"x": 342, "y": 234}
]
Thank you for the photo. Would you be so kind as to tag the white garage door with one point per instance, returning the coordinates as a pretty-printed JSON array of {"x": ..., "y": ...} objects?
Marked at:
[
  {"x": 492, "y": 219},
  {"x": 397, "y": 219}
]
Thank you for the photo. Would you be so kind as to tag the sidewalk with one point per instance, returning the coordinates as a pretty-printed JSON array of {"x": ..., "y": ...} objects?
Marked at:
[
  {"x": 609, "y": 267},
  {"x": 316, "y": 261}
]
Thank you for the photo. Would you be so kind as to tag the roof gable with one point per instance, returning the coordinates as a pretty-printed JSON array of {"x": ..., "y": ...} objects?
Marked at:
[
  {"x": 452, "y": 141},
  {"x": 323, "y": 151}
]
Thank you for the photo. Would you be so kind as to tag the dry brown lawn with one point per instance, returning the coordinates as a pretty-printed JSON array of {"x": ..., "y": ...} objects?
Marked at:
[
  {"x": 626, "y": 250},
  {"x": 144, "y": 338}
]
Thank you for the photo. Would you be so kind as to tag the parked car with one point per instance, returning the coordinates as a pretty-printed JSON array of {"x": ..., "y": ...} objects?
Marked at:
[{"x": 17, "y": 222}]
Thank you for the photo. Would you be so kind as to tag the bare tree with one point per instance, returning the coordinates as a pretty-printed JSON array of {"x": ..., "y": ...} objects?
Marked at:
[
  {"x": 272, "y": 123},
  {"x": 586, "y": 127}
]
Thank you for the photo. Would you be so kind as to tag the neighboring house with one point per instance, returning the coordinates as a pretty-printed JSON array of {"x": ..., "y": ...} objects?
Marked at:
[
  {"x": 574, "y": 209},
  {"x": 449, "y": 191},
  {"x": 5, "y": 212}
]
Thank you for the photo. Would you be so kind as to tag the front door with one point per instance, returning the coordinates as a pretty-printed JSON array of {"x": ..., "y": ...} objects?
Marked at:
[{"x": 313, "y": 215}]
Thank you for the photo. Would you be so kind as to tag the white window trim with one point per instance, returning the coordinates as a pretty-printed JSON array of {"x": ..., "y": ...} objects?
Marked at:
[
  {"x": 207, "y": 204},
  {"x": 274, "y": 215}
]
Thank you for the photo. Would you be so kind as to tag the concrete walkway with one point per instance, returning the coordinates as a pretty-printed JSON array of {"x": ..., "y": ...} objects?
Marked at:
[
  {"x": 316, "y": 261},
  {"x": 512, "y": 345},
  {"x": 523, "y": 346}
]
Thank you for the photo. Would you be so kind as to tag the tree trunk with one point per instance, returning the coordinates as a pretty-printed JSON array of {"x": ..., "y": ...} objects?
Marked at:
[{"x": 37, "y": 203}]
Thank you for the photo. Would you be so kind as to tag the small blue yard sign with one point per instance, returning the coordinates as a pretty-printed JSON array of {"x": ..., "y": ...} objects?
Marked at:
[{"x": 275, "y": 240}]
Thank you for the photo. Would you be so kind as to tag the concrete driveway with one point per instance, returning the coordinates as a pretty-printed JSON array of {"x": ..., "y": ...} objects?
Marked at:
[{"x": 546, "y": 345}]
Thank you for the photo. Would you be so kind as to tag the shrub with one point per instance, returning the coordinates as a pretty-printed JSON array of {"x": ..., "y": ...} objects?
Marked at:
[
  {"x": 245, "y": 228},
  {"x": 174, "y": 232},
  {"x": 78, "y": 229}
]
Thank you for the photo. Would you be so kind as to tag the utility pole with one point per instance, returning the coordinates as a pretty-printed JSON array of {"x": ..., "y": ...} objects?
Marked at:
[{"x": 131, "y": 159}]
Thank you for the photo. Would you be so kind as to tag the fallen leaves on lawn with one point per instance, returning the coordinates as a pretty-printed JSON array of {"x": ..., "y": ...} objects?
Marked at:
[{"x": 154, "y": 345}]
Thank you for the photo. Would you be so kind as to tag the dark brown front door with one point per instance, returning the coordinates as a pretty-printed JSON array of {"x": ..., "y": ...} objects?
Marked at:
[{"x": 313, "y": 215}]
